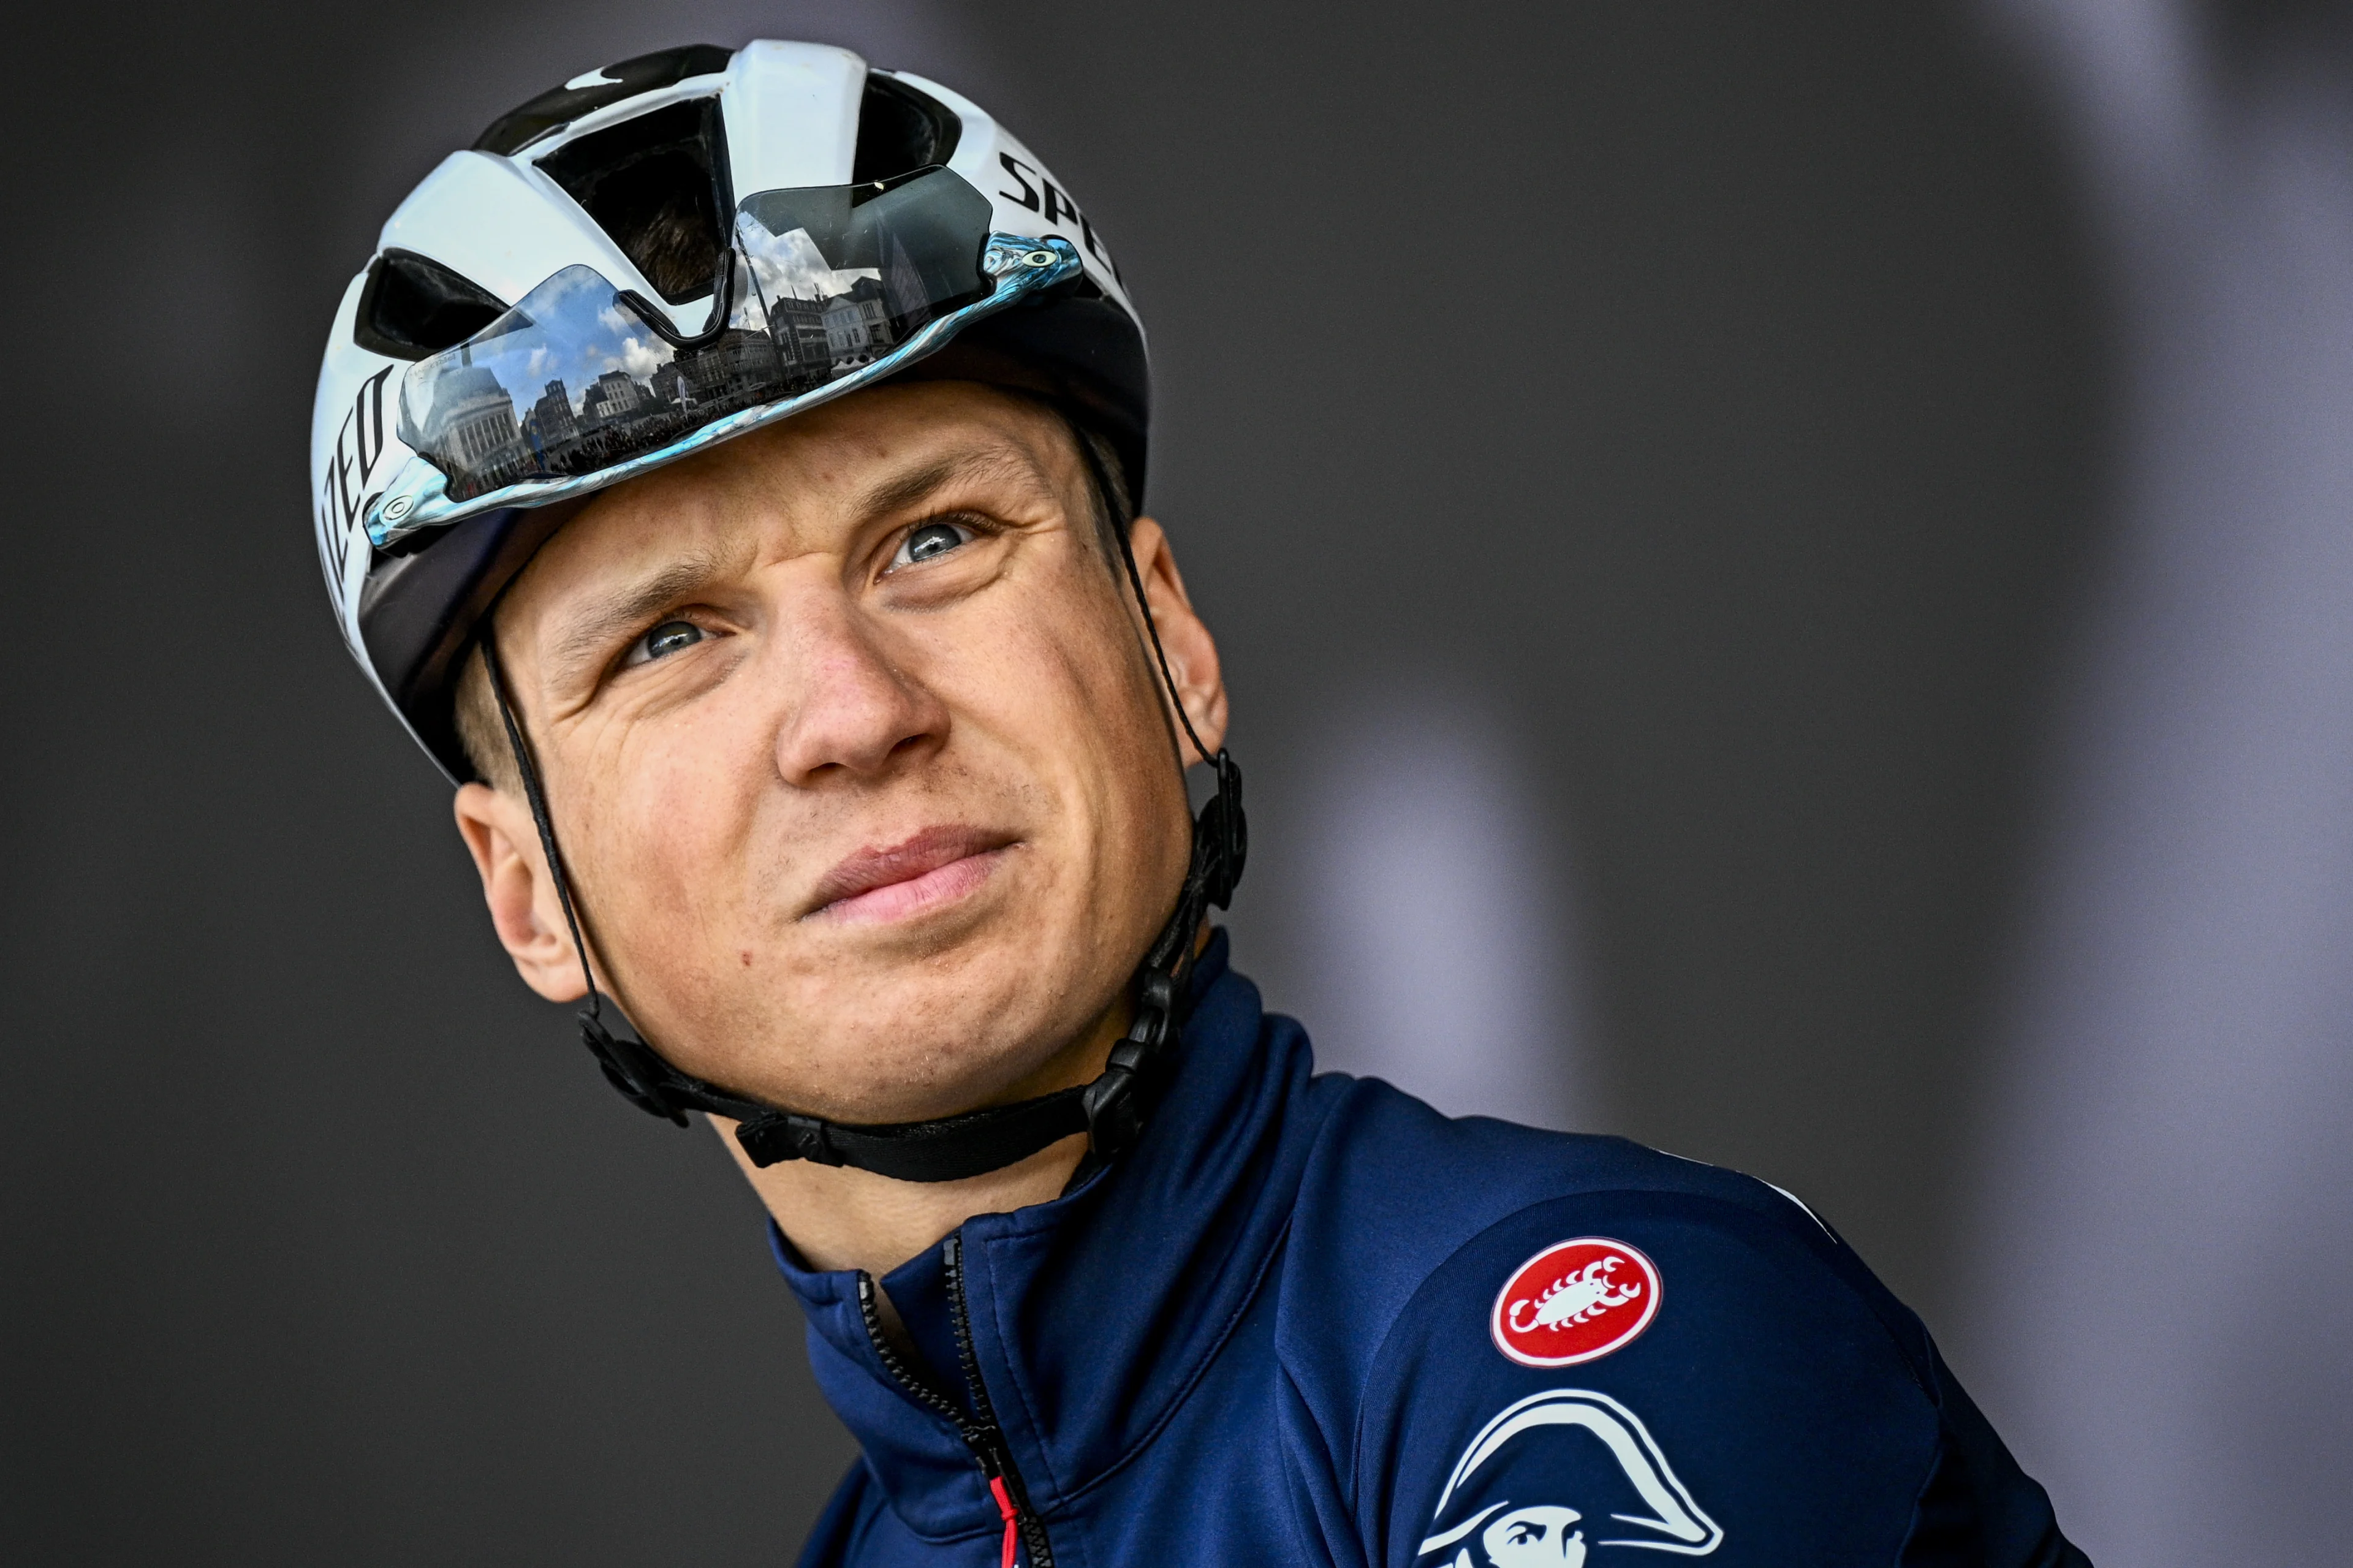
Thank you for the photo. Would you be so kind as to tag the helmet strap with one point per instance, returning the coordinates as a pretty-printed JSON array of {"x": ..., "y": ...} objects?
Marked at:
[{"x": 1110, "y": 1111}]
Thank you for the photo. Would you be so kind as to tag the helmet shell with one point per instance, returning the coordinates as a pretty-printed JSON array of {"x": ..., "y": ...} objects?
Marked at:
[{"x": 494, "y": 220}]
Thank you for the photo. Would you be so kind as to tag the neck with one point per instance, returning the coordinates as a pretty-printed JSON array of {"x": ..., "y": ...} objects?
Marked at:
[{"x": 837, "y": 1217}]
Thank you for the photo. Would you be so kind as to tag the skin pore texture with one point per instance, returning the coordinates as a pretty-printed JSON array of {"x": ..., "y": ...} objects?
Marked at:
[{"x": 863, "y": 774}]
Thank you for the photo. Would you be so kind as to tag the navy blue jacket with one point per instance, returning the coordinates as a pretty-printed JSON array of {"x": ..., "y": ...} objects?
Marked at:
[{"x": 1310, "y": 1320}]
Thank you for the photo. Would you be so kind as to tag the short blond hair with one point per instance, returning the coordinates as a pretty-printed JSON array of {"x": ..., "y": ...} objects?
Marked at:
[{"x": 480, "y": 731}]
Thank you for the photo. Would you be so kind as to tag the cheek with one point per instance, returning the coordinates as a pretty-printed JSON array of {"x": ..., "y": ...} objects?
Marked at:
[
  {"x": 669, "y": 829},
  {"x": 1067, "y": 687}
]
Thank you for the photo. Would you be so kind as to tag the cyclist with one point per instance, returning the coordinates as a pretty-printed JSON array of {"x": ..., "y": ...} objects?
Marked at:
[{"x": 726, "y": 470}]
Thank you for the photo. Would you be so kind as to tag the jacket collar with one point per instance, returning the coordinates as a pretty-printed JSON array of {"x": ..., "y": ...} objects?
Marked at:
[{"x": 1093, "y": 1313}]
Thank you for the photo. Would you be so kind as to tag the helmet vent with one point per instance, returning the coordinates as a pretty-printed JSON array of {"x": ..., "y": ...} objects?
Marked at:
[
  {"x": 413, "y": 306},
  {"x": 901, "y": 130},
  {"x": 654, "y": 184},
  {"x": 552, "y": 110}
]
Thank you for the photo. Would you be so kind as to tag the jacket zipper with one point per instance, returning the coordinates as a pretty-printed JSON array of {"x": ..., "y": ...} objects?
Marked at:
[{"x": 980, "y": 1432}]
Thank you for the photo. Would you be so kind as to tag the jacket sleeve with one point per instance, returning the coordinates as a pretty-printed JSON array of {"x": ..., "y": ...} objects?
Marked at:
[
  {"x": 1627, "y": 1378},
  {"x": 1978, "y": 1506}
]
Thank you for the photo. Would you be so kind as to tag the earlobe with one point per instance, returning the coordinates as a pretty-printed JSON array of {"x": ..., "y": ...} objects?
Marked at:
[
  {"x": 499, "y": 834},
  {"x": 1185, "y": 638}
]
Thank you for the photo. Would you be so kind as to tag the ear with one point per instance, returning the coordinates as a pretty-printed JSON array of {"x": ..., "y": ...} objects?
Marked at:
[
  {"x": 1184, "y": 637},
  {"x": 524, "y": 911}
]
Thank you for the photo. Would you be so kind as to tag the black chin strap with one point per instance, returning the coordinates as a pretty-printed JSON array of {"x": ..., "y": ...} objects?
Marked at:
[{"x": 1110, "y": 1111}]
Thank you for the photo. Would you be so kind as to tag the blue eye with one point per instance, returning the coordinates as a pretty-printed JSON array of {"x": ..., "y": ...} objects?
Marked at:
[
  {"x": 665, "y": 640},
  {"x": 931, "y": 540}
]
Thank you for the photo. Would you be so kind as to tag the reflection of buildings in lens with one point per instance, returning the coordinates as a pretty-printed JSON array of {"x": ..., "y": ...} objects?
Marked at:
[
  {"x": 797, "y": 328},
  {"x": 473, "y": 430},
  {"x": 475, "y": 435},
  {"x": 618, "y": 416},
  {"x": 550, "y": 423},
  {"x": 904, "y": 291},
  {"x": 817, "y": 339},
  {"x": 611, "y": 398},
  {"x": 857, "y": 325},
  {"x": 552, "y": 429},
  {"x": 737, "y": 371},
  {"x": 878, "y": 313}
]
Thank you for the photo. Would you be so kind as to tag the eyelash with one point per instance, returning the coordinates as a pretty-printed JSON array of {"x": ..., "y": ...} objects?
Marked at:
[
  {"x": 972, "y": 527},
  {"x": 637, "y": 653}
]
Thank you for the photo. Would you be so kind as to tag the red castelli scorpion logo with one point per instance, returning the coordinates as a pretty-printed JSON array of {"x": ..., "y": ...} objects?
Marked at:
[
  {"x": 1563, "y": 1306},
  {"x": 1576, "y": 1298}
]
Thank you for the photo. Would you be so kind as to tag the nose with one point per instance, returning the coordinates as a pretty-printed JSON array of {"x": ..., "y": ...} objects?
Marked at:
[{"x": 850, "y": 711}]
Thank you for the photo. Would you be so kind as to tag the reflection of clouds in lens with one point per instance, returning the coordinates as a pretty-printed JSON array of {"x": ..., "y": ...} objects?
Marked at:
[
  {"x": 616, "y": 320},
  {"x": 580, "y": 331},
  {"x": 641, "y": 358},
  {"x": 571, "y": 329},
  {"x": 791, "y": 264}
]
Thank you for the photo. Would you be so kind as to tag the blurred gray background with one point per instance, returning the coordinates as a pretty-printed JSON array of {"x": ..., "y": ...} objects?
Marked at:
[{"x": 1783, "y": 574}]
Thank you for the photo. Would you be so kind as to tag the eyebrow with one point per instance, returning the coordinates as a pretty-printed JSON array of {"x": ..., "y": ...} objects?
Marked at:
[
  {"x": 589, "y": 634},
  {"x": 917, "y": 485}
]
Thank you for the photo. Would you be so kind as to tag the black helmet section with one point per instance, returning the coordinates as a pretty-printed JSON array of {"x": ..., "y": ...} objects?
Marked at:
[
  {"x": 412, "y": 306},
  {"x": 657, "y": 184},
  {"x": 419, "y": 610},
  {"x": 899, "y": 130},
  {"x": 553, "y": 109}
]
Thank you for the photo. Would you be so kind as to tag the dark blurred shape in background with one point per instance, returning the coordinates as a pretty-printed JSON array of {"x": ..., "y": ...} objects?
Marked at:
[{"x": 1701, "y": 508}]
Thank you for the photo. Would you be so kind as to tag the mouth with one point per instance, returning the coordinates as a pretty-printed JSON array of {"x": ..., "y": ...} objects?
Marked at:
[{"x": 936, "y": 868}]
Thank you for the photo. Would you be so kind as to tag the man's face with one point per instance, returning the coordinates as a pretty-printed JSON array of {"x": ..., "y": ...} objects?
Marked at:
[
  {"x": 860, "y": 770},
  {"x": 1544, "y": 1534}
]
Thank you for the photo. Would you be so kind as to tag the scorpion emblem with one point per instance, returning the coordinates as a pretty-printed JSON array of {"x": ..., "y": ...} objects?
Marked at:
[{"x": 1576, "y": 1297}]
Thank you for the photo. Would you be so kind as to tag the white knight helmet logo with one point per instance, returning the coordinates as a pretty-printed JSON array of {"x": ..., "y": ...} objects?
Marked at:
[{"x": 1556, "y": 1477}]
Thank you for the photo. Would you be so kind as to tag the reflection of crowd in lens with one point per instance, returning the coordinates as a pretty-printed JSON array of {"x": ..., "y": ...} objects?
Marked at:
[{"x": 771, "y": 350}]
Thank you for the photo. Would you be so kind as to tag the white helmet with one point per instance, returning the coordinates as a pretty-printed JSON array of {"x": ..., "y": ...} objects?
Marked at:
[{"x": 656, "y": 257}]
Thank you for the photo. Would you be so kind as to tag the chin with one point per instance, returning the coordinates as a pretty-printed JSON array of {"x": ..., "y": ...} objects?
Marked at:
[
  {"x": 918, "y": 1062},
  {"x": 906, "y": 1039}
]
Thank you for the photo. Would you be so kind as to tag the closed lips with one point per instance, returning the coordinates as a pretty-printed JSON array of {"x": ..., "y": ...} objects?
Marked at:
[{"x": 933, "y": 866}]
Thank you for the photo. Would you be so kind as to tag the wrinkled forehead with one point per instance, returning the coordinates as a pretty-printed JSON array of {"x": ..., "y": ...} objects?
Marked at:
[{"x": 816, "y": 484}]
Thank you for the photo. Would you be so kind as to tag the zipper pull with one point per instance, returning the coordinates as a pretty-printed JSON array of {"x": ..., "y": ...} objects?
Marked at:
[
  {"x": 979, "y": 1431},
  {"x": 1012, "y": 1520}
]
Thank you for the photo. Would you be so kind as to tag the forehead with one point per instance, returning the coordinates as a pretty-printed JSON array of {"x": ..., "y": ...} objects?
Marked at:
[{"x": 811, "y": 482}]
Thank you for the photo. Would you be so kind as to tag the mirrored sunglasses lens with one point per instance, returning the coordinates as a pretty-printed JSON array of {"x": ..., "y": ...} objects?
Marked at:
[{"x": 579, "y": 377}]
